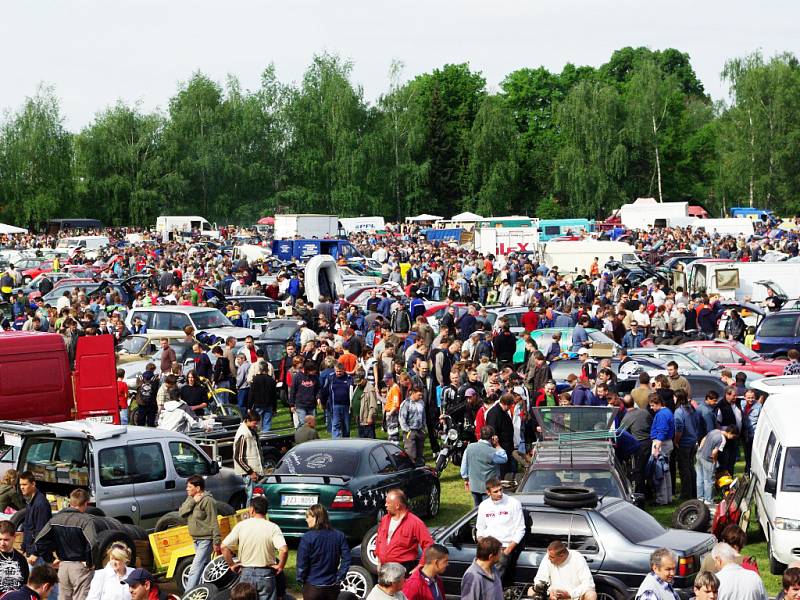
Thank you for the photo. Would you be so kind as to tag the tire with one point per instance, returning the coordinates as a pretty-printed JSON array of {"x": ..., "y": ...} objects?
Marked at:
[
  {"x": 435, "y": 501},
  {"x": 204, "y": 591},
  {"x": 238, "y": 501},
  {"x": 18, "y": 518},
  {"x": 570, "y": 497},
  {"x": 217, "y": 572},
  {"x": 182, "y": 573},
  {"x": 104, "y": 541},
  {"x": 136, "y": 532},
  {"x": 368, "y": 558},
  {"x": 609, "y": 593},
  {"x": 170, "y": 520},
  {"x": 97, "y": 512},
  {"x": 776, "y": 567},
  {"x": 692, "y": 515},
  {"x": 224, "y": 509},
  {"x": 358, "y": 581},
  {"x": 269, "y": 460}
]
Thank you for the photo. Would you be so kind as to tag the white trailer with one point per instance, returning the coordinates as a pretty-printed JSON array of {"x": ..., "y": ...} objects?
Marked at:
[
  {"x": 576, "y": 256},
  {"x": 362, "y": 224},
  {"x": 501, "y": 241},
  {"x": 739, "y": 280},
  {"x": 643, "y": 213},
  {"x": 306, "y": 226},
  {"x": 167, "y": 226}
]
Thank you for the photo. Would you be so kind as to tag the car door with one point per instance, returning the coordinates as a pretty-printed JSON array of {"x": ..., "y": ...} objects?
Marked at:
[
  {"x": 155, "y": 493},
  {"x": 770, "y": 464},
  {"x": 461, "y": 544},
  {"x": 114, "y": 484},
  {"x": 187, "y": 460},
  {"x": 411, "y": 479},
  {"x": 383, "y": 476}
]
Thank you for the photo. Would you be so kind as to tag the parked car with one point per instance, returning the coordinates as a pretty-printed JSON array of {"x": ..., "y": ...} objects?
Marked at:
[
  {"x": 512, "y": 313},
  {"x": 735, "y": 355},
  {"x": 688, "y": 360},
  {"x": 280, "y": 330},
  {"x": 144, "y": 347},
  {"x": 183, "y": 352},
  {"x": 350, "y": 478},
  {"x": 170, "y": 319},
  {"x": 260, "y": 309},
  {"x": 778, "y": 333},
  {"x": 615, "y": 537}
]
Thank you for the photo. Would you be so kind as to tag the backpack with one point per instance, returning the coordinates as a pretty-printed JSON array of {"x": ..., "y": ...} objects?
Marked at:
[{"x": 146, "y": 392}]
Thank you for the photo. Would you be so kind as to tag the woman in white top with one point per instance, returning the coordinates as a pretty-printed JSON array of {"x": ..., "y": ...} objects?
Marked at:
[{"x": 108, "y": 581}]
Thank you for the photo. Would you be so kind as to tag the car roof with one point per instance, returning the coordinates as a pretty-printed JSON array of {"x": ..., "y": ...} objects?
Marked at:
[
  {"x": 173, "y": 308},
  {"x": 85, "y": 430},
  {"x": 351, "y": 445},
  {"x": 534, "y": 500}
]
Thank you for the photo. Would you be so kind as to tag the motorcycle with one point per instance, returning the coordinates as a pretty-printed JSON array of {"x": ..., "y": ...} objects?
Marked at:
[{"x": 453, "y": 441}]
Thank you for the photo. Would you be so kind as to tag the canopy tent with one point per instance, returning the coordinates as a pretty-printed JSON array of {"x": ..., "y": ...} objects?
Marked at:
[
  {"x": 266, "y": 221},
  {"x": 466, "y": 217},
  {"x": 424, "y": 218},
  {"x": 10, "y": 229}
]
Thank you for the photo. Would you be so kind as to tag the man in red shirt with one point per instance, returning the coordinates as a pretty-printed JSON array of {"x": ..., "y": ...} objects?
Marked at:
[
  {"x": 401, "y": 534},
  {"x": 530, "y": 319},
  {"x": 426, "y": 583}
]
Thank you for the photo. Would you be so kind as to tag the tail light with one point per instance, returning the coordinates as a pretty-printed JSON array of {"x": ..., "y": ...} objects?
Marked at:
[
  {"x": 258, "y": 491},
  {"x": 343, "y": 499},
  {"x": 756, "y": 346},
  {"x": 686, "y": 566}
]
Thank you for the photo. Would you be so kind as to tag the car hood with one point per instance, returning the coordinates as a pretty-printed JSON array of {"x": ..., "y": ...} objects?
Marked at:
[{"x": 238, "y": 332}]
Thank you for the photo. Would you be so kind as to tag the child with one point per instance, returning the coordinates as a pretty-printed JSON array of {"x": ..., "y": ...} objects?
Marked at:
[
  {"x": 749, "y": 336},
  {"x": 122, "y": 397}
]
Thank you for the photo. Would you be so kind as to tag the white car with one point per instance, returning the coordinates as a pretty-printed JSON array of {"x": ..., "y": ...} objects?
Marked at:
[{"x": 169, "y": 319}]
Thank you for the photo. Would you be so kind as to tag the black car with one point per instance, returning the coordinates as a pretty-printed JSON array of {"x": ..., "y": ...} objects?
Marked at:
[
  {"x": 281, "y": 330},
  {"x": 615, "y": 537}
]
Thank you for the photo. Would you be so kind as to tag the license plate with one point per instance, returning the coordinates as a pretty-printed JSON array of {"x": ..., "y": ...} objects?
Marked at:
[
  {"x": 101, "y": 419},
  {"x": 292, "y": 500}
]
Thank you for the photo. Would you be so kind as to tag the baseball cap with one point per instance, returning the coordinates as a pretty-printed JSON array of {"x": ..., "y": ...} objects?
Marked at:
[
  {"x": 519, "y": 390},
  {"x": 139, "y": 576},
  {"x": 470, "y": 392},
  {"x": 388, "y": 377},
  {"x": 583, "y": 351}
]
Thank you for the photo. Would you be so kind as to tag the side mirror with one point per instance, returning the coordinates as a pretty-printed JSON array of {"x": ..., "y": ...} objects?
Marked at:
[
  {"x": 770, "y": 486},
  {"x": 742, "y": 361},
  {"x": 638, "y": 500},
  {"x": 215, "y": 466}
]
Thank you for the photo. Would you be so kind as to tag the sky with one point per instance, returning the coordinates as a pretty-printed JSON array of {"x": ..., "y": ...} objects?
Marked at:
[{"x": 96, "y": 52}]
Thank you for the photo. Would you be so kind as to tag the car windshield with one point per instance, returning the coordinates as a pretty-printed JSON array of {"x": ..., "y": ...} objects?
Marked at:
[
  {"x": 601, "y": 481},
  {"x": 704, "y": 363},
  {"x": 791, "y": 471},
  {"x": 282, "y": 331},
  {"x": 210, "y": 319},
  {"x": 272, "y": 352},
  {"x": 558, "y": 421},
  {"x": 132, "y": 344},
  {"x": 318, "y": 461},
  {"x": 632, "y": 522},
  {"x": 745, "y": 351},
  {"x": 260, "y": 308}
]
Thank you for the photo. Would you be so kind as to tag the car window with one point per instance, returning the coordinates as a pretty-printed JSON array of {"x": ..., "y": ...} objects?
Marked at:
[
  {"x": 178, "y": 321},
  {"x": 133, "y": 344},
  {"x": 513, "y": 319},
  {"x": 380, "y": 462},
  {"x": 547, "y": 527},
  {"x": 773, "y": 472},
  {"x": 601, "y": 481},
  {"x": 791, "y": 470},
  {"x": 768, "y": 451},
  {"x": 779, "y": 326},
  {"x": 147, "y": 462},
  {"x": 40, "y": 451},
  {"x": 144, "y": 316},
  {"x": 702, "y": 385},
  {"x": 302, "y": 461},
  {"x": 188, "y": 460},
  {"x": 719, "y": 354},
  {"x": 401, "y": 459},
  {"x": 260, "y": 308},
  {"x": 210, "y": 319},
  {"x": 113, "y": 466},
  {"x": 633, "y": 523},
  {"x": 161, "y": 320}
]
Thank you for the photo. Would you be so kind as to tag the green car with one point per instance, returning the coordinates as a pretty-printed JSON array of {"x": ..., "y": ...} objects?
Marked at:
[
  {"x": 350, "y": 477},
  {"x": 542, "y": 337}
]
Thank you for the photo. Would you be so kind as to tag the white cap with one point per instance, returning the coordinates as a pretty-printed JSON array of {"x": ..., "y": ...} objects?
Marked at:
[{"x": 583, "y": 351}]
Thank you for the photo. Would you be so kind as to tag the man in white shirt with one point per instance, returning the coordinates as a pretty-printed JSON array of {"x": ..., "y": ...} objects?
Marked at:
[
  {"x": 735, "y": 582},
  {"x": 501, "y": 517},
  {"x": 566, "y": 573}
]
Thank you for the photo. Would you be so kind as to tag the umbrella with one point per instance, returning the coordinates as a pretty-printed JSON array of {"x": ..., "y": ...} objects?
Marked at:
[
  {"x": 10, "y": 229},
  {"x": 266, "y": 221}
]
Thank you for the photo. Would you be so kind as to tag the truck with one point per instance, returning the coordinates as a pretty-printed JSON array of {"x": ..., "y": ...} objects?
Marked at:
[
  {"x": 576, "y": 256},
  {"x": 37, "y": 382},
  {"x": 740, "y": 280},
  {"x": 307, "y": 226},
  {"x": 362, "y": 224},
  {"x": 303, "y": 249},
  {"x": 501, "y": 241},
  {"x": 170, "y": 226}
]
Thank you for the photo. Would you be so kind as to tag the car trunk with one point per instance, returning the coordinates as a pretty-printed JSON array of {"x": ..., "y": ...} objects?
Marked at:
[
  {"x": 691, "y": 547},
  {"x": 298, "y": 492}
]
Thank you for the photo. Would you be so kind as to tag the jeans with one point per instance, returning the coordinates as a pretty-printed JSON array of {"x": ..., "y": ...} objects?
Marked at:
[
  {"x": 341, "y": 421},
  {"x": 263, "y": 579},
  {"x": 328, "y": 419},
  {"x": 705, "y": 479},
  {"x": 366, "y": 431},
  {"x": 123, "y": 416},
  {"x": 687, "y": 473},
  {"x": 300, "y": 415},
  {"x": 414, "y": 441},
  {"x": 202, "y": 554},
  {"x": 146, "y": 415},
  {"x": 477, "y": 498},
  {"x": 241, "y": 397},
  {"x": 664, "y": 491},
  {"x": 249, "y": 485},
  {"x": 266, "y": 418}
]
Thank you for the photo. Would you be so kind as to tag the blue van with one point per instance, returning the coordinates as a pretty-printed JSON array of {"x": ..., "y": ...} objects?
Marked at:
[
  {"x": 778, "y": 333},
  {"x": 302, "y": 250}
]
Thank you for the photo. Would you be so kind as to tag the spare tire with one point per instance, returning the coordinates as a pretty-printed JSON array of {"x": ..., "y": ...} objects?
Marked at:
[
  {"x": 692, "y": 515},
  {"x": 204, "y": 591},
  {"x": 104, "y": 541},
  {"x": 219, "y": 574},
  {"x": 93, "y": 510},
  {"x": 170, "y": 520},
  {"x": 18, "y": 518},
  {"x": 224, "y": 509},
  {"x": 570, "y": 497}
]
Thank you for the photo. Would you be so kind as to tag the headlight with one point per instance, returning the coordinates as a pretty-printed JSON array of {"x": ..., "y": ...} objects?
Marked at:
[
  {"x": 452, "y": 435},
  {"x": 787, "y": 524}
]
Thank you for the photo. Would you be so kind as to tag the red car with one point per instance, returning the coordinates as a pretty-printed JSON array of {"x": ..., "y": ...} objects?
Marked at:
[{"x": 735, "y": 355}]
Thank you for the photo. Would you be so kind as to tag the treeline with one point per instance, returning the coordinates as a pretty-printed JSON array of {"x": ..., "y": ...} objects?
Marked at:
[{"x": 576, "y": 143}]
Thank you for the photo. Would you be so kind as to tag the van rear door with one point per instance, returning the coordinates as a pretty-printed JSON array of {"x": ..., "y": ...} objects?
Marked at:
[{"x": 95, "y": 379}]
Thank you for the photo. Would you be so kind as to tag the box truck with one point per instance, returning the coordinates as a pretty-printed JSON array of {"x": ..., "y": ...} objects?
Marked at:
[
  {"x": 577, "y": 256},
  {"x": 501, "y": 241},
  {"x": 180, "y": 225},
  {"x": 307, "y": 226}
]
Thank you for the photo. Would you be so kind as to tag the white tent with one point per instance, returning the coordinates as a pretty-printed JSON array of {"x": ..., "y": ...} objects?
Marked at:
[
  {"x": 9, "y": 229},
  {"x": 423, "y": 218},
  {"x": 466, "y": 217}
]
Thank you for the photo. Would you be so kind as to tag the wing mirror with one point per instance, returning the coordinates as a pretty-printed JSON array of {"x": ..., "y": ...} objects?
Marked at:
[{"x": 771, "y": 486}]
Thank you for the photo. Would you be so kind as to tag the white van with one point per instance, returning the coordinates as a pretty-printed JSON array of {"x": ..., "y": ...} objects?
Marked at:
[
  {"x": 576, "y": 256},
  {"x": 88, "y": 243},
  {"x": 185, "y": 224},
  {"x": 775, "y": 467}
]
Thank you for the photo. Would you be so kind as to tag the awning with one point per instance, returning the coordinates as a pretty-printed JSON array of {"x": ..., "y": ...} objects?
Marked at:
[
  {"x": 467, "y": 217},
  {"x": 10, "y": 229}
]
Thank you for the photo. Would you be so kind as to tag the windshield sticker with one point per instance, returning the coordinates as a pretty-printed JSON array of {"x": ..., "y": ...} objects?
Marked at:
[
  {"x": 319, "y": 460},
  {"x": 291, "y": 462}
]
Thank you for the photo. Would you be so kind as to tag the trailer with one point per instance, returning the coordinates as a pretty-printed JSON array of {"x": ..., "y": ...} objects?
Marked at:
[
  {"x": 501, "y": 241},
  {"x": 740, "y": 280},
  {"x": 576, "y": 256},
  {"x": 307, "y": 226}
]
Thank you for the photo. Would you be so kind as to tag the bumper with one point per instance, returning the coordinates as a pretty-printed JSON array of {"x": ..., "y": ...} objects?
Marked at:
[{"x": 785, "y": 545}]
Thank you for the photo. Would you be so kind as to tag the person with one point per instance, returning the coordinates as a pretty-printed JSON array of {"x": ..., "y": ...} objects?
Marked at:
[
  {"x": 426, "y": 583},
  {"x": 200, "y": 512},
  {"x": 41, "y": 581},
  {"x": 637, "y": 421},
  {"x": 676, "y": 380},
  {"x": 662, "y": 432},
  {"x": 323, "y": 556},
  {"x": 401, "y": 534},
  {"x": 735, "y": 582},
  {"x": 143, "y": 586},
  {"x": 391, "y": 408},
  {"x": 202, "y": 363},
  {"x": 791, "y": 583},
  {"x": 307, "y": 431},
  {"x": 304, "y": 392},
  {"x": 247, "y": 452},
  {"x": 263, "y": 396},
  {"x": 194, "y": 393},
  {"x": 37, "y": 515},
  {"x": 176, "y": 415},
  {"x": 634, "y": 337},
  {"x": 793, "y": 366},
  {"x": 566, "y": 573},
  {"x": 337, "y": 391},
  {"x": 261, "y": 548},
  {"x": 364, "y": 404},
  {"x": 13, "y": 566},
  {"x": 706, "y": 586},
  {"x": 109, "y": 582},
  {"x": 71, "y": 533},
  {"x": 412, "y": 423},
  {"x": 499, "y": 418},
  {"x": 479, "y": 463},
  {"x": 657, "y": 585},
  {"x": 481, "y": 580},
  {"x": 122, "y": 397},
  {"x": 687, "y": 424},
  {"x": 10, "y": 496},
  {"x": 147, "y": 397},
  {"x": 221, "y": 373},
  {"x": 391, "y": 579},
  {"x": 711, "y": 446},
  {"x": 501, "y": 516}
]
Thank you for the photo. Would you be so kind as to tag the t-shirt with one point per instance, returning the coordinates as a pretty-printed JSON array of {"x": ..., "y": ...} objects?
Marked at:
[
  {"x": 256, "y": 542},
  {"x": 13, "y": 571},
  {"x": 714, "y": 440},
  {"x": 393, "y": 525}
]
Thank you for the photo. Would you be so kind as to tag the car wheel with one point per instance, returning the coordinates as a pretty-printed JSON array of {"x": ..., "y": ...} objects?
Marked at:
[
  {"x": 570, "y": 497},
  {"x": 93, "y": 510},
  {"x": 269, "y": 461},
  {"x": 434, "y": 502},
  {"x": 206, "y": 591},
  {"x": 170, "y": 520},
  {"x": 218, "y": 573},
  {"x": 358, "y": 581},
  {"x": 692, "y": 515},
  {"x": 609, "y": 593},
  {"x": 181, "y": 577},
  {"x": 776, "y": 567},
  {"x": 368, "y": 544},
  {"x": 224, "y": 509}
]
